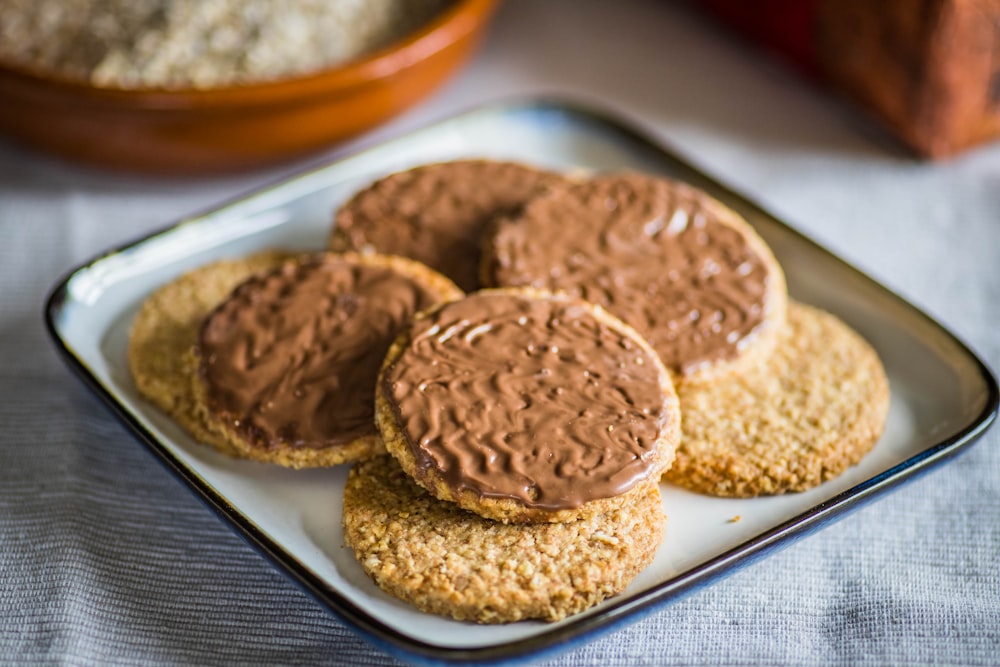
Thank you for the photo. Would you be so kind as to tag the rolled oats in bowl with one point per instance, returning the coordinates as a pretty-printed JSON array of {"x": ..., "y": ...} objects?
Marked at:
[{"x": 199, "y": 43}]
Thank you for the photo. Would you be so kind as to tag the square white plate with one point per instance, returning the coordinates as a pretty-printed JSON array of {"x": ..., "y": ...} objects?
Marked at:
[{"x": 943, "y": 396}]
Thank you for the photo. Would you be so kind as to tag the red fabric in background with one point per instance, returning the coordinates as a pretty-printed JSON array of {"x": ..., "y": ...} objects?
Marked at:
[{"x": 785, "y": 27}]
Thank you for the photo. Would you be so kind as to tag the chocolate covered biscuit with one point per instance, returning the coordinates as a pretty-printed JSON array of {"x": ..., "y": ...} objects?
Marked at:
[
  {"x": 436, "y": 213},
  {"x": 688, "y": 273},
  {"x": 524, "y": 406},
  {"x": 277, "y": 357},
  {"x": 166, "y": 328}
]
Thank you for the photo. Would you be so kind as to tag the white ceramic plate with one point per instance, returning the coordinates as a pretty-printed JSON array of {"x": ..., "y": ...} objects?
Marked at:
[{"x": 943, "y": 397}]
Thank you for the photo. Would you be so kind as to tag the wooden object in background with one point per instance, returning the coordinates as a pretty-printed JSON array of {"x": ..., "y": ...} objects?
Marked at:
[{"x": 928, "y": 69}]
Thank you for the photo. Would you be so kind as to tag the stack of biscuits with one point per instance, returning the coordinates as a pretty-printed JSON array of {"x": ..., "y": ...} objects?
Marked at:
[{"x": 513, "y": 359}]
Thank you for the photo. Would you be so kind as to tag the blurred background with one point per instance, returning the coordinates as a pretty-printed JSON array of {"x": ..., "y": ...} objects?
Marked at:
[{"x": 180, "y": 85}]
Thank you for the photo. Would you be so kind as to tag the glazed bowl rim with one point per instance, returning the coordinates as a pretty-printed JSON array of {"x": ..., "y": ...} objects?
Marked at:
[{"x": 451, "y": 25}]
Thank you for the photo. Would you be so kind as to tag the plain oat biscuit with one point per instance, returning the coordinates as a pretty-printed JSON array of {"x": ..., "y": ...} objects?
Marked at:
[
  {"x": 450, "y": 562},
  {"x": 815, "y": 407},
  {"x": 525, "y": 406},
  {"x": 165, "y": 330}
]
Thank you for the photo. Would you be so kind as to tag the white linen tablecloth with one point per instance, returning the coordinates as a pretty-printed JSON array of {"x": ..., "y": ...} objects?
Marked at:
[{"x": 105, "y": 558}]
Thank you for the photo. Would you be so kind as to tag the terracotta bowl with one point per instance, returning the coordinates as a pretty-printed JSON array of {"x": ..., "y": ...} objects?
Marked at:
[{"x": 222, "y": 129}]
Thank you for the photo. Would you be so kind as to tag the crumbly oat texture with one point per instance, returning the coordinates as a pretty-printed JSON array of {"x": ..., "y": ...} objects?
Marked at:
[
  {"x": 460, "y": 400},
  {"x": 164, "y": 333},
  {"x": 815, "y": 407},
  {"x": 451, "y": 562},
  {"x": 199, "y": 43}
]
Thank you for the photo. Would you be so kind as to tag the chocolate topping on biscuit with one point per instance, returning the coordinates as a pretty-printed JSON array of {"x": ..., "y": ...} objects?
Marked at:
[
  {"x": 656, "y": 253},
  {"x": 437, "y": 213},
  {"x": 533, "y": 399},
  {"x": 292, "y": 356}
]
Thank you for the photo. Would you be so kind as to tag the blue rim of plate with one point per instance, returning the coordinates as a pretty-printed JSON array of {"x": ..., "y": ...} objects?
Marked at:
[{"x": 617, "y": 613}]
